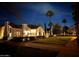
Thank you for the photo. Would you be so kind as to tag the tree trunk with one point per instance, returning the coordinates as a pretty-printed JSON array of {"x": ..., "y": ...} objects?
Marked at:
[
  {"x": 51, "y": 30},
  {"x": 50, "y": 24},
  {"x": 77, "y": 33},
  {"x": 64, "y": 33}
]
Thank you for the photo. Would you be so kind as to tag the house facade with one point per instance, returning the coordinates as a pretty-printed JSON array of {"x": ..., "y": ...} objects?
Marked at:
[
  {"x": 32, "y": 31},
  {"x": 11, "y": 30}
]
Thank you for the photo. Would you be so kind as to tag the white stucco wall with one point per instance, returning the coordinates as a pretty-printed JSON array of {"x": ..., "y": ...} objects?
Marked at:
[{"x": 2, "y": 32}]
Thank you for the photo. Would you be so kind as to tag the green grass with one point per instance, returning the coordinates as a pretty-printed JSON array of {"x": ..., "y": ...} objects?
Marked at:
[{"x": 54, "y": 40}]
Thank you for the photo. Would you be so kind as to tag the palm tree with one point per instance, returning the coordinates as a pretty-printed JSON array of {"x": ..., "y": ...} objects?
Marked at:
[
  {"x": 64, "y": 21},
  {"x": 50, "y": 14},
  {"x": 45, "y": 28}
]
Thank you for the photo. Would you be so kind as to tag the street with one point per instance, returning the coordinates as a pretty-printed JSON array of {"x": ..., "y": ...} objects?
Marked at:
[
  {"x": 13, "y": 49},
  {"x": 31, "y": 49}
]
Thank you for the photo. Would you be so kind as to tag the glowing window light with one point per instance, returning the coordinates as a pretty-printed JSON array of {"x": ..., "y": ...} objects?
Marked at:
[{"x": 25, "y": 32}]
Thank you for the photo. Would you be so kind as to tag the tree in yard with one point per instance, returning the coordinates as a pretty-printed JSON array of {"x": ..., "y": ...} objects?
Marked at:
[
  {"x": 65, "y": 29},
  {"x": 50, "y": 14},
  {"x": 56, "y": 29},
  {"x": 75, "y": 14},
  {"x": 64, "y": 21},
  {"x": 71, "y": 31}
]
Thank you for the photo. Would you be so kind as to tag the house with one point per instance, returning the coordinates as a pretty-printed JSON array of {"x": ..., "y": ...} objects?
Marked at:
[
  {"x": 32, "y": 30},
  {"x": 11, "y": 30}
]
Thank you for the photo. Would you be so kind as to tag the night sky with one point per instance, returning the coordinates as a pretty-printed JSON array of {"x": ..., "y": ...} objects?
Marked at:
[{"x": 35, "y": 13}]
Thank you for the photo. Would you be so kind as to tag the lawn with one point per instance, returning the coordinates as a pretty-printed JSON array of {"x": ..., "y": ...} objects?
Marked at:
[{"x": 54, "y": 40}]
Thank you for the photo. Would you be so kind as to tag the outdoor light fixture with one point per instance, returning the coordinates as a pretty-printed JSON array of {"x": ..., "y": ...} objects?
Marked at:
[
  {"x": 10, "y": 36},
  {"x": 23, "y": 39},
  {"x": 28, "y": 38}
]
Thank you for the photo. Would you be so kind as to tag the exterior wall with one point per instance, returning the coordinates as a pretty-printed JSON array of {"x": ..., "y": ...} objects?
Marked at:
[
  {"x": 16, "y": 32},
  {"x": 30, "y": 33},
  {"x": 26, "y": 33},
  {"x": 33, "y": 32},
  {"x": 25, "y": 30},
  {"x": 40, "y": 31},
  {"x": 10, "y": 32},
  {"x": 2, "y": 32}
]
